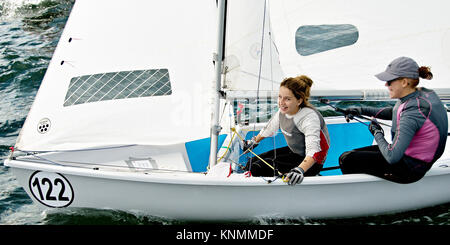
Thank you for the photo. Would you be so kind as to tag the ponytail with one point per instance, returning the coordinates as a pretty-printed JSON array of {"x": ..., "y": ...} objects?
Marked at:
[{"x": 425, "y": 73}]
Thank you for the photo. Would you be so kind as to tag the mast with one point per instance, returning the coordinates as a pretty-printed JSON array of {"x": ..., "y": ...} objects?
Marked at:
[{"x": 218, "y": 58}]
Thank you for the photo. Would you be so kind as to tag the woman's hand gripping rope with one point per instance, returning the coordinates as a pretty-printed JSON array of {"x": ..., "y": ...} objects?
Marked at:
[
  {"x": 352, "y": 113},
  {"x": 295, "y": 176},
  {"x": 249, "y": 149}
]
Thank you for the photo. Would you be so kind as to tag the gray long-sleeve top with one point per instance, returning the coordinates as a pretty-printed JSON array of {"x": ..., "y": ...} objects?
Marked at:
[{"x": 419, "y": 129}]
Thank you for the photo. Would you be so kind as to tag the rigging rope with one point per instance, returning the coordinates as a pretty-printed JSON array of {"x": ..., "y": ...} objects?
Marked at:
[
  {"x": 259, "y": 78},
  {"x": 256, "y": 118},
  {"x": 256, "y": 155},
  {"x": 259, "y": 82}
]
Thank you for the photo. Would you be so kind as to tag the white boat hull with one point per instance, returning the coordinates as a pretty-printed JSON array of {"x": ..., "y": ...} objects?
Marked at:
[{"x": 196, "y": 196}]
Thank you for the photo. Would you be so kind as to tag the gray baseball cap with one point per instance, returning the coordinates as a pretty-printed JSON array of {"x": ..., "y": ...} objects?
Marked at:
[{"x": 400, "y": 67}]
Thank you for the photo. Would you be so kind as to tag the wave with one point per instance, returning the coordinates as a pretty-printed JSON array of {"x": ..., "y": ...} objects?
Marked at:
[
  {"x": 8, "y": 8},
  {"x": 29, "y": 32},
  {"x": 35, "y": 12}
]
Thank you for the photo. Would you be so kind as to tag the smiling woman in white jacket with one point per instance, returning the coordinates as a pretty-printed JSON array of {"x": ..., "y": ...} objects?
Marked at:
[{"x": 305, "y": 132}]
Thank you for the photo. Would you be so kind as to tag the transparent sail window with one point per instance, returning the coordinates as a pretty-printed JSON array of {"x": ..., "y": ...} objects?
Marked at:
[
  {"x": 313, "y": 39},
  {"x": 118, "y": 85},
  {"x": 250, "y": 110}
]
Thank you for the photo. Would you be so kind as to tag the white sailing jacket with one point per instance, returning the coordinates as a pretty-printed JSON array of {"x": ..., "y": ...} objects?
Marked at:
[{"x": 305, "y": 132}]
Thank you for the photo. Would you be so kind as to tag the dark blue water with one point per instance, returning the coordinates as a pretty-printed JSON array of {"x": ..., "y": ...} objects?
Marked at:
[{"x": 29, "y": 33}]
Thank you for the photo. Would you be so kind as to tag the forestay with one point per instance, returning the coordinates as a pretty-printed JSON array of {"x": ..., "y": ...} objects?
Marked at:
[
  {"x": 126, "y": 72},
  {"x": 361, "y": 38}
]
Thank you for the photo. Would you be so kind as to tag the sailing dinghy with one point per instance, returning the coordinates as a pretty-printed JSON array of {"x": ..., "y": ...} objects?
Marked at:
[{"x": 137, "y": 94}]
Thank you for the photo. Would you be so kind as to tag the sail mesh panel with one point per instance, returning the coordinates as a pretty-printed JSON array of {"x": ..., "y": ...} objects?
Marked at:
[{"x": 118, "y": 85}]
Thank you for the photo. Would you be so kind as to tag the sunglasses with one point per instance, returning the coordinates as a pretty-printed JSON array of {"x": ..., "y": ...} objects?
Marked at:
[{"x": 391, "y": 81}]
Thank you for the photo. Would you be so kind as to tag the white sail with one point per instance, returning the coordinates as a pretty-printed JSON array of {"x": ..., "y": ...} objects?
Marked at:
[
  {"x": 385, "y": 30},
  {"x": 251, "y": 57},
  {"x": 126, "y": 72}
]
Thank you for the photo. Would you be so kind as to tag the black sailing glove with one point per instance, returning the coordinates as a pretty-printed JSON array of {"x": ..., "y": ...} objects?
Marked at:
[
  {"x": 295, "y": 176},
  {"x": 249, "y": 144},
  {"x": 352, "y": 112},
  {"x": 375, "y": 127}
]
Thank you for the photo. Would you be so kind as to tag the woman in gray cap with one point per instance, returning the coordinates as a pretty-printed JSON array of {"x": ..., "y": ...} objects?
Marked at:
[{"x": 419, "y": 128}]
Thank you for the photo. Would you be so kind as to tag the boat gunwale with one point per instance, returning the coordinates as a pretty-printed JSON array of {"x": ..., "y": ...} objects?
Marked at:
[{"x": 193, "y": 178}]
